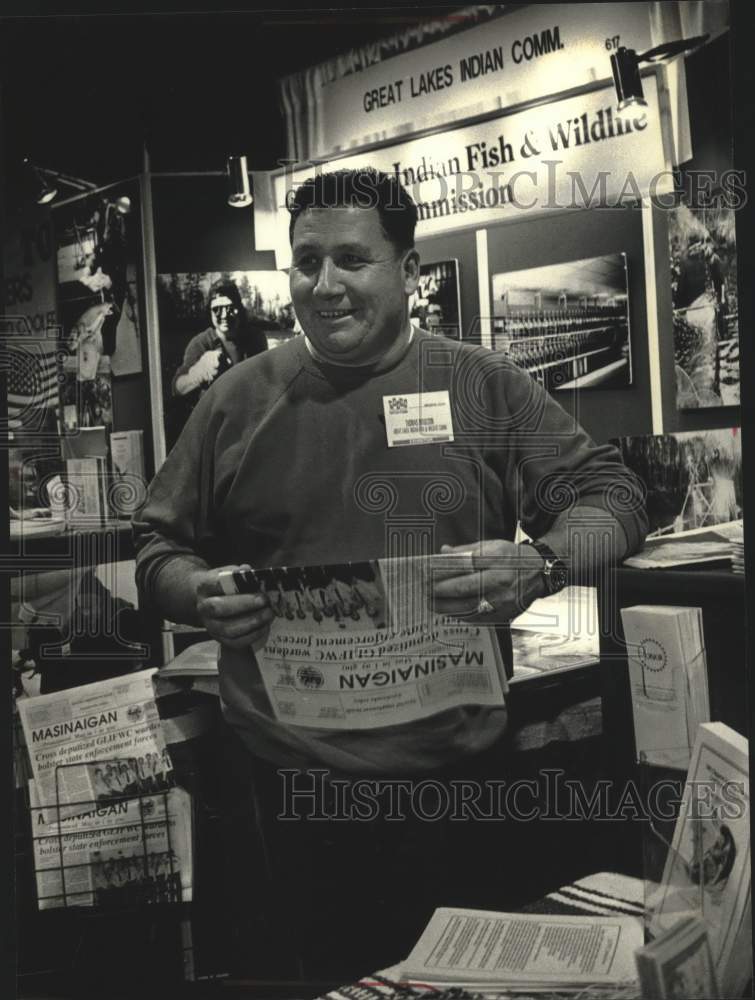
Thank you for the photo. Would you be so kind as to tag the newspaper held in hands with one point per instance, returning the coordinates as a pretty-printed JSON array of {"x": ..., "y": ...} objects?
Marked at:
[
  {"x": 136, "y": 850},
  {"x": 69, "y": 732},
  {"x": 480, "y": 948},
  {"x": 356, "y": 645}
]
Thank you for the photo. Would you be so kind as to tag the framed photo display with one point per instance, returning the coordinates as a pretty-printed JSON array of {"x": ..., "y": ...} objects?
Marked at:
[
  {"x": 435, "y": 305},
  {"x": 199, "y": 313},
  {"x": 97, "y": 241},
  {"x": 567, "y": 324},
  {"x": 693, "y": 478},
  {"x": 703, "y": 258}
]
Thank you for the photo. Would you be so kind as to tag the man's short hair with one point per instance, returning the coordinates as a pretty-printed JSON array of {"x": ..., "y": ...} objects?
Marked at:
[
  {"x": 227, "y": 288},
  {"x": 361, "y": 188}
]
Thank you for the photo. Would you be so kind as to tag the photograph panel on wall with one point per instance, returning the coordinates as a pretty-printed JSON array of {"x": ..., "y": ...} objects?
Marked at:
[
  {"x": 693, "y": 478},
  {"x": 567, "y": 324},
  {"x": 703, "y": 257},
  {"x": 97, "y": 240},
  {"x": 209, "y": 321},
  {"x": 435, "y": 305}
]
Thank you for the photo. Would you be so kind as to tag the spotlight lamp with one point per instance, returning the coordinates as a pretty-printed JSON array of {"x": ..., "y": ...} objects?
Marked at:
[
  {"x": 47, "y": 183},
  {"x": 44, "y": 192},
  {"x": 239, "y": 193},
  {"x": 625, "y": 65}
]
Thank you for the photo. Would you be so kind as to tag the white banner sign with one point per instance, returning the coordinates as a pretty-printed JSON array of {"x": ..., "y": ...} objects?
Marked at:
[
  {"x": 577, "y": 152},
  {"x": 527, "y": 54}
]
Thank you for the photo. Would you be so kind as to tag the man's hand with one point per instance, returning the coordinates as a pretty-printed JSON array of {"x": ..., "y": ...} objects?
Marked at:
[
  {"x": 239, "y": 621},
  {"x": 506, "y": 576},
  {"x": 206, "y": 368}
]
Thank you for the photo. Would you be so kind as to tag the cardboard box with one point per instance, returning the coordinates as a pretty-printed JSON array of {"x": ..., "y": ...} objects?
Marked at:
[
  {"x": 85, "y": 442},
  {"x": 129, "y": 478},
  {"x": 87, "y": 482},
  {"x": 668, "y": 678}
]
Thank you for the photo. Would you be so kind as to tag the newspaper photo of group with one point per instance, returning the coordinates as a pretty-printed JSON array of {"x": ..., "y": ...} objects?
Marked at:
[
  {"x": 334, "y": 595},
  {"x": 136, "y": 879},
  {"x": 352, "y": 641},
  {"x": 143, "y": 775}
]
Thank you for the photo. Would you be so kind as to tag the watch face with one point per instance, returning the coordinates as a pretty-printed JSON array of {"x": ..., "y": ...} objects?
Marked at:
[{"x": 556, "y": 574}]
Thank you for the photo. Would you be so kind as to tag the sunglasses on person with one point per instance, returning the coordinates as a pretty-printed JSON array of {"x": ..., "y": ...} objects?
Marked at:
[{"x": 224, "y": 311}]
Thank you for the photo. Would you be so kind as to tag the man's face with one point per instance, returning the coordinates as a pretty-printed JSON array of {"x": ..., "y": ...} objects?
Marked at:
[
  {"x": 349, "y": 285},
  {"x": 224, "y": 315}
]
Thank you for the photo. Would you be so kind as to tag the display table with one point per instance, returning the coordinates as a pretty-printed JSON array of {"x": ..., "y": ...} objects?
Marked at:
[
  {"x": 603, "y": 894},
  {"x": 75, "y": 545}
]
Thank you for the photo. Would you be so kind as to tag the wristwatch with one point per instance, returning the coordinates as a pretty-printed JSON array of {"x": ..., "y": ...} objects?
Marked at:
[{"x": 555, "y": 571}]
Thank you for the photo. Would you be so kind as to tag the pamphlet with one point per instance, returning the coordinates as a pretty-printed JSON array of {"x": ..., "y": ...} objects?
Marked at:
[
  {"x": 707, "y": 871},
  {"x": 678, "y": 963},
  {"x": 478, "y": 948},
  {"x": 716, "y": 543}
]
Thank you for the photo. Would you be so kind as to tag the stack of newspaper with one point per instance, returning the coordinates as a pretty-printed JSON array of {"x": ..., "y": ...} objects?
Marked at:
[
  {"x": 109, "y": 825},
  {"x": 738, "y": 553},
  {"x": 715, "y": 544},
  {"x": 483, "y": 950}
]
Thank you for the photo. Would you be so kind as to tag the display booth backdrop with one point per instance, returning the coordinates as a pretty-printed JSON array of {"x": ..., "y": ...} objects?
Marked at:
[{"x": 195, "y": 231}]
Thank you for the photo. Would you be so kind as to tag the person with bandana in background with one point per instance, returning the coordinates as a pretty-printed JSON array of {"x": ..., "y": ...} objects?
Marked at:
[{"x": 230, "y": 338}]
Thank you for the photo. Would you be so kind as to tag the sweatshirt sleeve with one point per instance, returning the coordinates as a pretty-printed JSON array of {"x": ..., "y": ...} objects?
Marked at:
[
  {"x": 194, "y": 351},
  {"x": 175, "y": 518},
  {"x": 558, "y": 466}
]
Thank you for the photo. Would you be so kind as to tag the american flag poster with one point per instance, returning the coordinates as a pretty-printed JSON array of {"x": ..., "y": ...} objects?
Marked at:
[
  {"x": 28, "y": 327},
  {"x": 32, "y": 368}
]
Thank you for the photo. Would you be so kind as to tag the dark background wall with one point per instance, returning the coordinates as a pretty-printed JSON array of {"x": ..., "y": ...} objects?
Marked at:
[{"x": 196, "y": 230}]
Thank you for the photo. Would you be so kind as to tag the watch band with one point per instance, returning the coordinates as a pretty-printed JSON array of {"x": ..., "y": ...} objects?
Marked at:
[{"x": 555, "y": 571}]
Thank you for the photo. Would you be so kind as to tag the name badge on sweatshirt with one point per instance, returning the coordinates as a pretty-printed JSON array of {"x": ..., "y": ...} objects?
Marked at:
[{"x": 418, "y": 418}]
